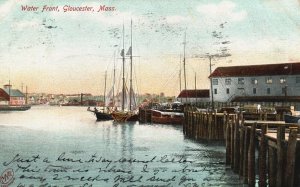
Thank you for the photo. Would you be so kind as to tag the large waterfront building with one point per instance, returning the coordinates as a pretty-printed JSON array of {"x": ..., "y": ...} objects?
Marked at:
[
  {"x": 257, "y": 83},
  {"x": 9, "y": 96}
]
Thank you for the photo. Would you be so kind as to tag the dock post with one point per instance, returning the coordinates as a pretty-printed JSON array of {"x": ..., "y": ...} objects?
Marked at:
[
  {"x": 209, "y": 125},
  {"x": 232, "y": 141},
  {"x": 291, "y": 159},
  {"x": 272, "y": 166},
  {"x": 185, "y": 121},
  {"x": 245, "y": 153},
  {"x": 251, "y": 157},
  {"x": 236, "y": 146},
  {"x": 280, "y": 155},
  {"x": 242, "y": 139},
  {"x": 225, "y": 118},
  {"x": 189, "y": 124},
  {"x": 262, "y": 157},
  {"x": 228, "y": 142},
  {"x": 214, "y": 125}
]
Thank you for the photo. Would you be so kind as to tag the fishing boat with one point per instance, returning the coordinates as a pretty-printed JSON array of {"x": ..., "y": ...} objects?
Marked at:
[
  {"x": 129, "y": 113},
  {"x": 103, "y": 115},
  {"x": 167, "y": 117},
  {"x": 291, "y": 119}
]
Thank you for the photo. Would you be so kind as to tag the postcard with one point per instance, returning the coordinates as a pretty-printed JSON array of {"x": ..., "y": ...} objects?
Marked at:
[{"x": 93, "y": 91}]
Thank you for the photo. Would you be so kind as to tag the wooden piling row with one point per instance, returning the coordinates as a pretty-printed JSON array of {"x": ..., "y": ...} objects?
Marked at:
[
  {"x": 275, "y": 142},
  {"x": 204, "y": 125},
  {"x": 277, "y": 157}
]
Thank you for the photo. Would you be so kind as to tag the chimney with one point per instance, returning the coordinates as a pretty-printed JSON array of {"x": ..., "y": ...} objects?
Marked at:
[{"x": 7, "y": 86}]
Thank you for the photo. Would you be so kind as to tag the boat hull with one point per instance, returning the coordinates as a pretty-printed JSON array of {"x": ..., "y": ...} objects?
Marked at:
[
  {"x": 103, "y": 116},
  {"x": 14, "y": 107},
  {"x": 291, "y": 119},
  {"x": 167, "y": 120},
  {"x": 124, "y": 116},
  {"x": 167, "y": 117}
]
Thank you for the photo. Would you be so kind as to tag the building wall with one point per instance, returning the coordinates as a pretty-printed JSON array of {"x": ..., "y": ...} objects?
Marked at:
[
  {"x": 276, "y": 88},
  {"x": 17, "y": 101}
]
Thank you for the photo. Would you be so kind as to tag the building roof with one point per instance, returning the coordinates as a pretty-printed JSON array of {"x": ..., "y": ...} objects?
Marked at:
[
  {"x": 13, "y": 92},
  {"x": 266, "y": 99},
  {"x": 258, "y": 70},
  {"x": 194, "y": 93}
]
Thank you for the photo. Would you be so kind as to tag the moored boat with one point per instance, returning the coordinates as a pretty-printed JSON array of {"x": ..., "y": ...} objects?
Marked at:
[
  {"x": 291, "y": 119},
  {"x": 101, "y": 115},
  {"x": 128, "y": 112},
  {"x": 167, "y": 117},
  {"x": 124, "y": 116}
]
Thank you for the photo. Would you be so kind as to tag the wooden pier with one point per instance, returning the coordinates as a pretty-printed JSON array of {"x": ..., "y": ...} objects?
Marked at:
[
  {"x": 263, "y": 153},
  {"x": 145, "y": 115}
]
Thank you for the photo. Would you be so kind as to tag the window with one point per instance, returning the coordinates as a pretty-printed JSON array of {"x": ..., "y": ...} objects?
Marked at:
[
  {"x": 215, "y": 91},
  {"x": 269, "y": 80},
  {"x": 241, "y": 80},
  {"x": 215, "y": 81},
  {"x": 228, "y": 81},
  {"x": 254, "y": 90},
  {"x": 254, "y": 81},
  {"x": 282, "y": 80},
  {"x": 268, "y": 90},
  {"x": 227, "y": 90},
  {"x": 297, "y": 79}
]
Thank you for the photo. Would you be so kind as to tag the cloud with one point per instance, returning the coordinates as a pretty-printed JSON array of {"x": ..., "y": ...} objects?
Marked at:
[
  {"x": 6, "y": 8},
  {"x": 223, "y": 11},
  {"x": 23, "y": 24},
  {"x": 175, "y": 19}
]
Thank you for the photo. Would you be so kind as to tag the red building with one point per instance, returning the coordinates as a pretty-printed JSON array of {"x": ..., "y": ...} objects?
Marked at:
[
  {"x": 193, "y": 96},
  {"x": 9, "y": 96}
]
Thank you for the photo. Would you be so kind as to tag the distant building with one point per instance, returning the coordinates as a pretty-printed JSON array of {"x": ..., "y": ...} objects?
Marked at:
[
  {"x": 193, "y": 96},
  {"x": 9, "y": 96},
  {"x": 257, "y": 83}
]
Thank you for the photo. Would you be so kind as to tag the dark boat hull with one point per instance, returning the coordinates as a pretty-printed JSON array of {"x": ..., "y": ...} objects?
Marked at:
[
  {"x": 291, "y": 119},
  {"x": 14, "y": 108},
  {"x": 103, "y": 116}
]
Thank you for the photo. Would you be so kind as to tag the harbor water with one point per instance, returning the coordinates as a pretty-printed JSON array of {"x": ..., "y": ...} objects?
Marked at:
[{"x": 65, "y": 146}]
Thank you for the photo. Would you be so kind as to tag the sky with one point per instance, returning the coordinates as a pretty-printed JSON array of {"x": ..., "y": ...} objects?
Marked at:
[{"x": 69, "y": 52}]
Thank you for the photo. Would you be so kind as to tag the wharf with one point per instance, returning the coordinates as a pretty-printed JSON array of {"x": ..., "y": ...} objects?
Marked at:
[{"x": 267, "y": 150}]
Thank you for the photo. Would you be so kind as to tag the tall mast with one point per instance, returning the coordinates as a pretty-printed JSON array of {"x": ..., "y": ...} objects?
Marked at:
[
  {"x": 26, "y": 97},
  {"x": 9, "y": 91},
  {"x": 130, "y": 50},
  {"x": 184, "y": 71},
  {"x": 114, "y": 79},
  {"x": 104, "y": 89},
  {"x": 211, "y": 85},
  {"x": 180, "y": 75},
  {"x": 123, "y": 77},
  {"x": 196, "y": 87}
]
